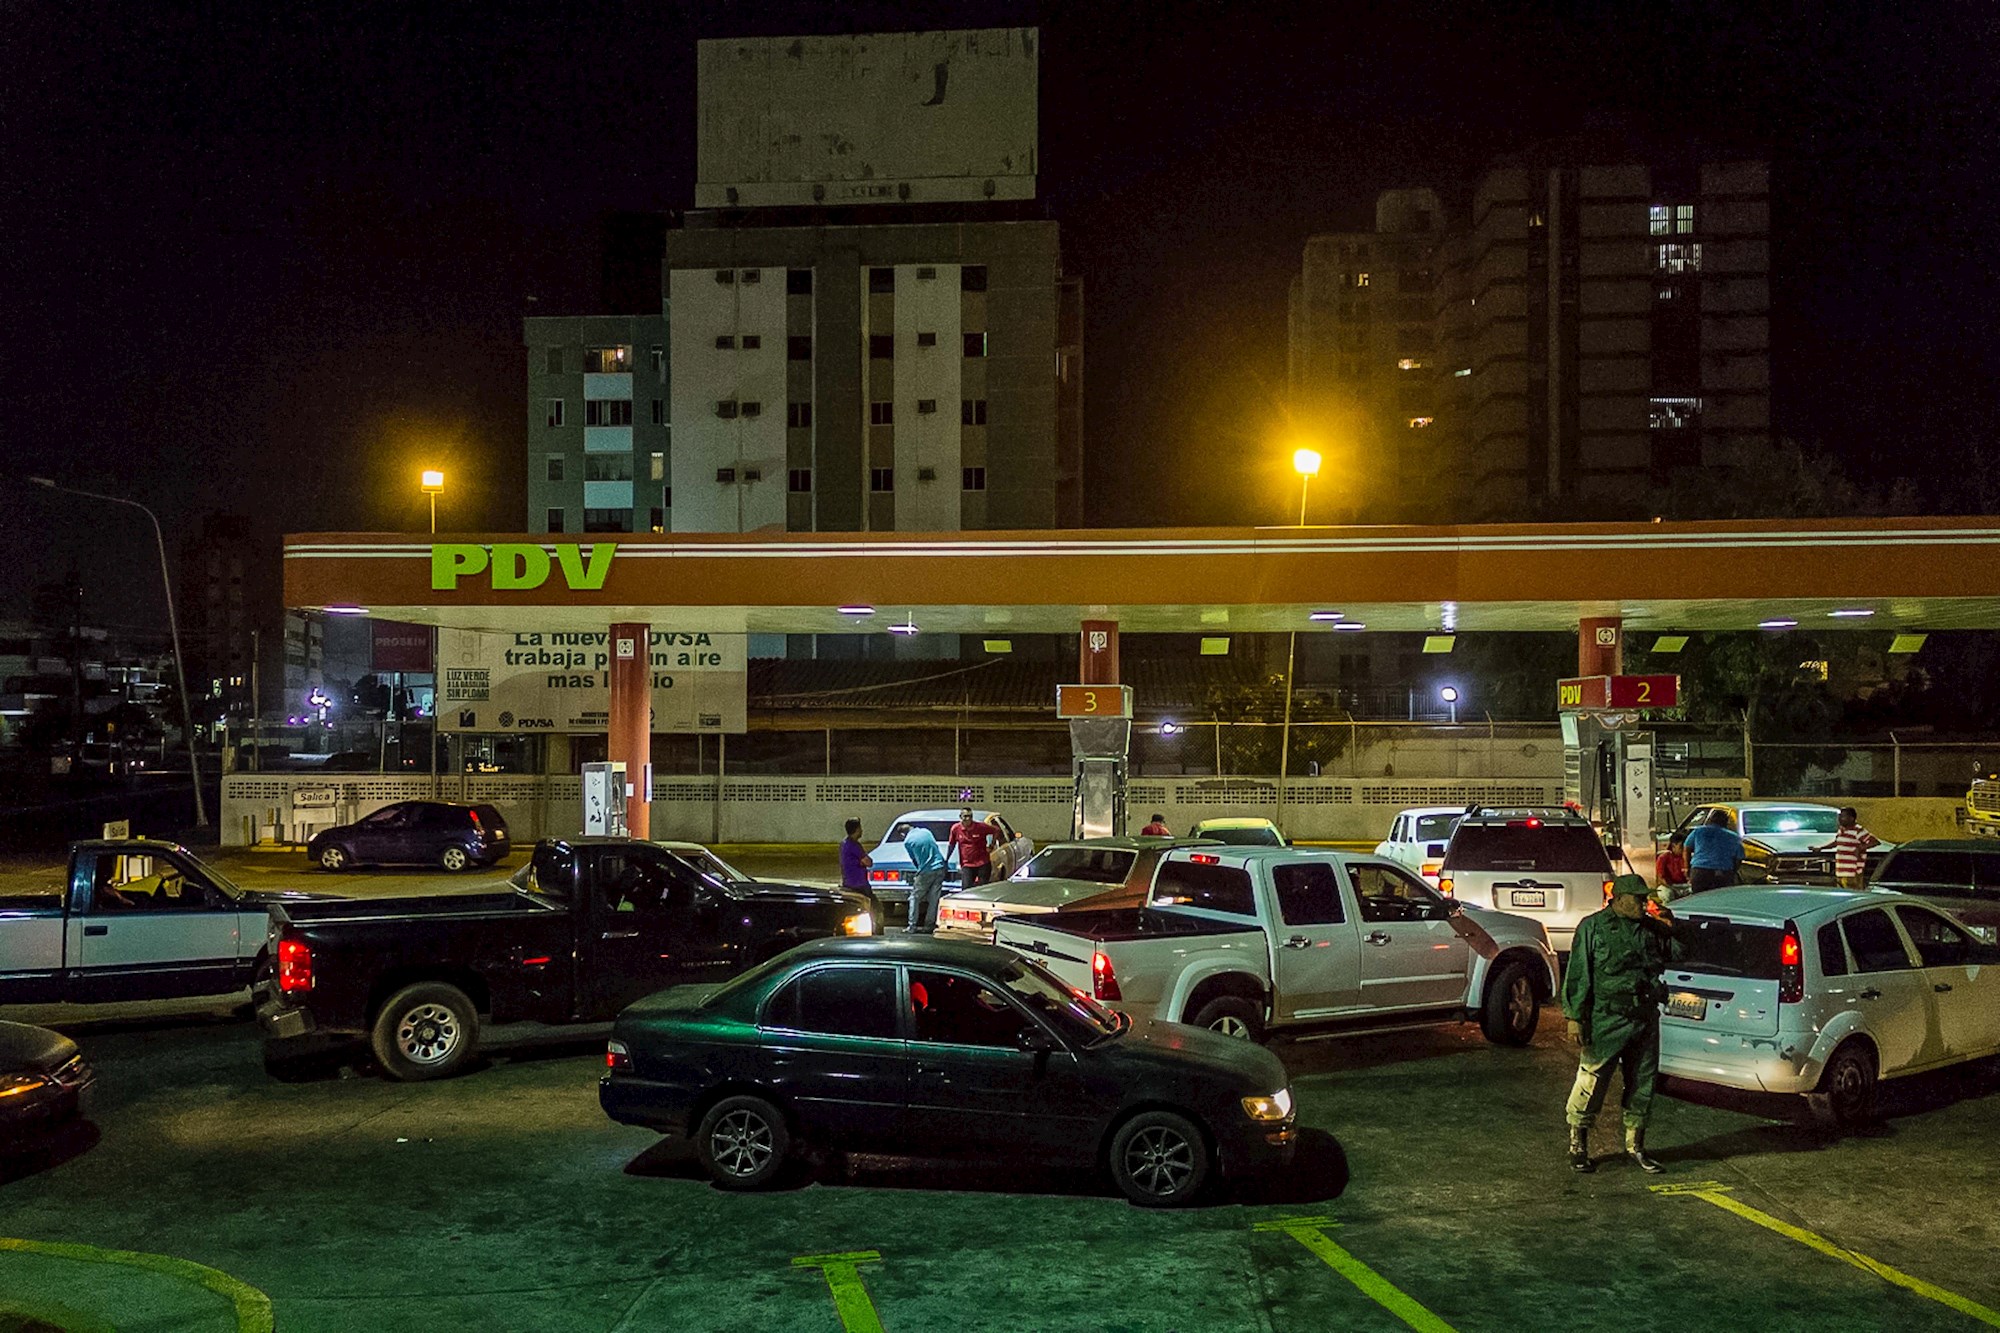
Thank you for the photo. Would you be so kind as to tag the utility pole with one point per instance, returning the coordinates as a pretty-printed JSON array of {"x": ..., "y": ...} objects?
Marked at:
[{"x": 256, "y": 706}]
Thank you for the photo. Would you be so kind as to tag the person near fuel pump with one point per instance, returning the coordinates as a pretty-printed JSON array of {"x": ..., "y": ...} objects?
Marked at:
[
  {"x": 1611, "y": 995},
  {"x": 1714, "y": 853}
]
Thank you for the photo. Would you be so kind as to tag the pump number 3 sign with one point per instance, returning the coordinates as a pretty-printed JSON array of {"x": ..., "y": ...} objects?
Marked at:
[{"x": 1093, "y": 701}]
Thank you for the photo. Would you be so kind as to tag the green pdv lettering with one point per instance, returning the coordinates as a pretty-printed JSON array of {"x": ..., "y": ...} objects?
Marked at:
[
  {"x": 451, "y": 561},
  {"x": 587, "y": 576},
  {"x": 519, "y": 565}
]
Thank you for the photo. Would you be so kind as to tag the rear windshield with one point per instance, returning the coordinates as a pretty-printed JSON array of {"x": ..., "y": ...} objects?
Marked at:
[
  {"x": 1436, "y": 828},
  {"x": 940, "y": 828},
  {"x": 1099, "y": 865},
  {"x": 489, "y": 816},
  {"x": 1791, "y": 821},
  {"x": 1935, "y": 874},
  {"x": 1218, "y": 888},
  {"x": 1254, "y": 836},
  {"x": 1724, "y": 948},
  {"x": 551, "y": 874},
  {"x": 1555, "y": 847}
]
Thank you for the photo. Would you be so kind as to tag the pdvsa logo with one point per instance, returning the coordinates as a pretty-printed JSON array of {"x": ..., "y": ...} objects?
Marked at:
[{"x": 518, "y": 566}]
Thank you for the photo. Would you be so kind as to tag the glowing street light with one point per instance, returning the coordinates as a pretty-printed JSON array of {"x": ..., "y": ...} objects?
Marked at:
[
  {"x": 432, "y": 482},
  {"x": 1306, "y": 463},
  {"x": 1450, "y": 695}
]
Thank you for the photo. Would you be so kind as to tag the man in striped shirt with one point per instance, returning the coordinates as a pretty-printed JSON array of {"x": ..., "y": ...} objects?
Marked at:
[{"x": 1850, "y": 849}]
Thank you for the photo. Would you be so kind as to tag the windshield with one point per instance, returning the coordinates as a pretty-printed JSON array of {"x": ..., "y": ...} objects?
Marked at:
[
  {"x": 1099, "y": 865},
  {"x": 551, "y": 874},
  {"x": 1253, "y": 835},
  {"x": 1553, "y": 847},
  {"x": 940, "y": 829},
  {"x": 1436, "y": 828},
  {"x": 1724, "y": 948},
  {"x": 1077, "y": 1016},
  {"x": 1791, "y": 821}
]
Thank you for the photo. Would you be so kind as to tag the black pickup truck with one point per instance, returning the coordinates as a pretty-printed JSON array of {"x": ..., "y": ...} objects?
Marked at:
[{"x": 590, "y": 925}]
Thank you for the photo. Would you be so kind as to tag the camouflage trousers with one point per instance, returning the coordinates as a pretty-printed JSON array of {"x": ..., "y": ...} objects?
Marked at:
[{"x": 1638, "y": 1061}]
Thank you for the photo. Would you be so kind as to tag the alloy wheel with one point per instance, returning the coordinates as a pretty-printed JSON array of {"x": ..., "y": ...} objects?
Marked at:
[
  {"x": 1850, "y": 1089},
  {"x": 455, "y": 858},
  {"x": 741, "y": 1143},
  {"x": 1160, "y": 1161},
  {"x": 333, "y": 858},
  {"x": 1229, "y": 1025},
  {"x": 428, "y": 1034},
  {"x": 1520, "y": 1005}
]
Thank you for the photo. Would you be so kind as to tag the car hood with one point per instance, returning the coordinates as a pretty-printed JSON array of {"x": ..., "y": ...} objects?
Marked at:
[
  {"x": 673, "y": 1000},
  {"x": 802, "y": 895},
  {"x": 265, "y": 898},
  {"x": 1181, "y": 1048},
  {"x": 1039, "y": 892},
  {"x": 1498, "y": 929},
  {"x": 24, "y": 1048}
]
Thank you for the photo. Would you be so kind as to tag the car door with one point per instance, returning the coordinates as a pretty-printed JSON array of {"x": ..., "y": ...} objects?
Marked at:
[
  {"x": 1013, "y": 851},
  {"x": 1315, "y": 954},
  {"x": 1410, "y": 957},
  {"x": 644, "y": 919},
  {"x": 377, "y": 835},
  {"x": 1892, "y": 997},
  {"x": 974, "y": 1090},
  {"x": 155, "y": 927},
  {"x": 834, "y": 1049},
  {"x": 1965, "y": 987}
]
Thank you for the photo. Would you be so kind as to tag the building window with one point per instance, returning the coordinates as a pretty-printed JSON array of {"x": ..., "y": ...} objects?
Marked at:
[
  {"x": 1675, "y": 413},
  {"x": 555, "y": 361},
  {"x": 972, "y": 278},
  {"x": 1418, "y": 423},
  {"x": 726, "y": 276},
  {"x": 1413, "y": 363},
  {"x": 799, "y": 480},
  {"x": 607, "y": 467},
  {"x": 1672, "y": 219},
  {"x": 798, "y": 282},
  {"x": 607, "y": 412},
  {"x": 926, "y": 406},
  {"x": 607, "y": 520},
  {"x": 927, "y": 340},
  {"x": 555, "y": 472},
  {"x": 881, "y": 413},
  {"x": 555, "y": 411},
  {"x": 725, "y": 476},
  {"x": 973, "y": 478},
  {"x": 726, "y": 409},
  {"x": 799, "y": 416},
  {"x": 972, "y": 412},
  {"x": 660, "y": 363},
  {"x": 657, "y": 471},
  {"x": 881, "y": 479},
  {"x": 881, "y": 279},
  {"x": 799, "y": 347},
  {"x": 607, "y": 360},
  {"x": 667, "y": 496},
  {"x": 975, "y": 344},
  {"x": 1677, "y": 258},
  {"x": 656, "y": 518},
  {"x": 555, "y": 517},
  {"x": 1357, "y": 279},
  {"x": 725, "y": 342},
  {"x": 753, "y": 342},
  {"x": 752, "y": 408},
  {"x": 659, "y": 412},
  {"x": 753, "y": 275},
  {"x": 926, "y": 274},
  {"x": 881, "y": 346}
]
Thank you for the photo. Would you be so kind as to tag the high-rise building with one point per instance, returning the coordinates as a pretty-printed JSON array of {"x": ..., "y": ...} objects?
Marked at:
[
  {"x": 598, "y": 439},
  {"x": 1593, "y": 330}
]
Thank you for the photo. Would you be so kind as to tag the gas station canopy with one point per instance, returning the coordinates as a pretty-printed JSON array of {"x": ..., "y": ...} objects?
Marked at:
[{"x": 1918, "y": 574}]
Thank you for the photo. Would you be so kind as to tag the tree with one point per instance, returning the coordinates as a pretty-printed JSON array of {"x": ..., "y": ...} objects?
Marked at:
[{"x": 1761, "y": 677}]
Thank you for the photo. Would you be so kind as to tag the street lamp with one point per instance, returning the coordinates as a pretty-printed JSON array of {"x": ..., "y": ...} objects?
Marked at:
[
  {"x": 432, "y": 482},
  {"x": 173, "y": 630},
  {"x": 1450, "y": 695},
  {"x": 1306, "y": 463}
]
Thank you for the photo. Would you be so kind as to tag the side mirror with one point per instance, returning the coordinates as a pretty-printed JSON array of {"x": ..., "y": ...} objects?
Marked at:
[{"x": 1034, "y": 1041}]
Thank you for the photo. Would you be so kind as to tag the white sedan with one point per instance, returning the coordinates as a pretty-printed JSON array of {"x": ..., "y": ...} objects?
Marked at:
[
  {"x": 890, "y": 876},
  {"x": 1417, "y": 839},
  {"x": 1824, "y": 992}
]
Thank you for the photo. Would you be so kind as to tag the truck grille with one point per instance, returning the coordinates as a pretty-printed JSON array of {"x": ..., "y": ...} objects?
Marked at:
[{"x": 1984, "y": 798}]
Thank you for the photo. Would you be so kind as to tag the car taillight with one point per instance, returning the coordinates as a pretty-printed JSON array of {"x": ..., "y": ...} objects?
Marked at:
[
  {"x": 1430, "y": 868},
  {"x": 1607, "y": 890},
  {"x": 1530, "y": 822},
  {"x": 1103, "y": 980},
  {"x": 885, "y": 876},
  {"x": 1444, "y": 884},
  {"x": 1791, "y": 967},
  {"x": 1201, "y": 860},
  {"x": 295, "y": 967},
  {"x": 475, "y": 818},
  {"x": 616, "y": 1057}
]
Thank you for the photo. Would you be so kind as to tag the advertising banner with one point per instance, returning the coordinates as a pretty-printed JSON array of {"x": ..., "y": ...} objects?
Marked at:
[
  {"x": 560, "y": 681},
  {"x": 398, "y": 647}
]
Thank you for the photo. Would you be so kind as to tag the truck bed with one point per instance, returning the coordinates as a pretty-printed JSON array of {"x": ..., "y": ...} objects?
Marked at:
[
  {"x": 1108, "y": 924},
  {"x": 415, "y": 905}
]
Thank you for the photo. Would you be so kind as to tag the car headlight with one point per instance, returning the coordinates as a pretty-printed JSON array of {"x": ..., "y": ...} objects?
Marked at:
[
  {"x": 13, "y": 1085},
  {"x": 1274, "y": 1107},
  {"x": 861, "y": 923}
]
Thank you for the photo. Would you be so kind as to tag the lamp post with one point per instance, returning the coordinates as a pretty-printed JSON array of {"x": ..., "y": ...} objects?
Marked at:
[
  {"x": 1450, "y": 695},
  {"x": 432, "y": 482},
  {"x": 173, "y": 631},
  {"x": 1306, "y": 463}
]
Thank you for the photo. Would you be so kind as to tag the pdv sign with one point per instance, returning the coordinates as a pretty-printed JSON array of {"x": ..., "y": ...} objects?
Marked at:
[{"x": 517, "y": 566}]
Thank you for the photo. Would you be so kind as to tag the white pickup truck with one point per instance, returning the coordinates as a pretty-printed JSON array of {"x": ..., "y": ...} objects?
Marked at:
[{"x": 1248, "y": 940}]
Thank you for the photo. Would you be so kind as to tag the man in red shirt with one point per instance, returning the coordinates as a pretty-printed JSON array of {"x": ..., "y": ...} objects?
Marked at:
[
  {"x": 1157, "y": 829},
  {"x": 1850, "y": 850},
  {"x": 968, "y": 839}
]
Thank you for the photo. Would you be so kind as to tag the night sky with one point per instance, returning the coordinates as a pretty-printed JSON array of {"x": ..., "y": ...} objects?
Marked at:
[{"x": 274, "y": 258}]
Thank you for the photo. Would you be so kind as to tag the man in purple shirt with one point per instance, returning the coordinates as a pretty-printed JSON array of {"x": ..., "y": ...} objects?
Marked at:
[{"x": 854, "y": 862}]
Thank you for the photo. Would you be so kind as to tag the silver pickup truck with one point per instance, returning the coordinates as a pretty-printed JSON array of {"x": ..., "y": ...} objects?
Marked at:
[{"x": 1249, "y": 940}]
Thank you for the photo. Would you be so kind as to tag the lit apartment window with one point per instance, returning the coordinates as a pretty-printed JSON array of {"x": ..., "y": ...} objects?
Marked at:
[
  {"x": 555, "y": 361},
  {"x": 973, "y": 478},
  {"x": 607, "y": 360},
  {"x": 881, "y": 413},
  {"x": 972, "y": 412},
  {"x": 656, "y": 517},
  {"x": 658, "y": 469},
  {"x": 1678, "y": 258},
  {"x": 1413, "y": 363},
  {"x": 799, "y": 347},
  {"x": 753, "y": 342},
  {"x": 1461, "y": 372},
  {"x": 881, "y": 346},
  {"x": 798, "y": 282},
  {"x": 607, "y": 412},
  {"x": 555, "y": 411},
  {"x": 725, "y": 342},
  {"x": 1675, "y": 413},
  {"x": 555, "y": 472},
  {"x": 799, "y": 416},
  {"x": 972, "y": 278},
  {"x": 607, "y": 467},
  {"x": 1672, "y": 219},
  {"x": 1418, "y": 423},
  {"x": 926, "y": 406},
  {"x": 881, "y": 279},
  {"x": 975, "y": 344},
  {"x": 881, "y": 479},
  {"x": 1361, "y": 280},
  {"x": 799, "y": 480},
  {"x": 555, "y": 520}
]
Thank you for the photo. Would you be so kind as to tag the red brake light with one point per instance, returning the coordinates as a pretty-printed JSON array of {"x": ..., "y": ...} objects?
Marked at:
[
  {"x": 1788, "y": 952},
  {"x": 475, "y": 818},
  {"x": 1200, "y": 860},
  {"x": 1103, "y": 979},
  {"x": 1529, "y": 822},
  {"x": 1791, "y": 967},
  {"x": 295, "y": 966},
  {"x": 616, "y": 1057},
  {"x": 885, "y": 876}
]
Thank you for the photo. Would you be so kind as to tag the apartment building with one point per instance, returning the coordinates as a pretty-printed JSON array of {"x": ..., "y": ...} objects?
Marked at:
[{"x": 599, "y": 455}]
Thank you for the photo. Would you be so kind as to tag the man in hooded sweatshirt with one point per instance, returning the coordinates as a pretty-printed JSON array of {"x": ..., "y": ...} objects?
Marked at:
[{"x": 1611, "y": 995}]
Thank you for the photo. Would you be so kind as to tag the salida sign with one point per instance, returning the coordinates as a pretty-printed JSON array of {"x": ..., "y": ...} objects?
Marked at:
[
  {"x": 560, "y": 681},
  {"x": 519, "y": 566}
]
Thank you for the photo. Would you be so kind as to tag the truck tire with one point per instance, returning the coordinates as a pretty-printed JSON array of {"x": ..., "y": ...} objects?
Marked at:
[
  {"x": 426, "y": 1031},
  {"x": 455, "y": 859},
  {"x": 1511, "y": 1010},
  {"x": 1232, "y": 1016},
  {"x": 1845, "y": 1097},
  {"x": 743, "y": 1143},
  {"x": 1159, "y": 1159},
  {"x": 335, "y": 858}
]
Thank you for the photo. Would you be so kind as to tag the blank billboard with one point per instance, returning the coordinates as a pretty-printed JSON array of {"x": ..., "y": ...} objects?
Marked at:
[{"x": 908, "y": 117}]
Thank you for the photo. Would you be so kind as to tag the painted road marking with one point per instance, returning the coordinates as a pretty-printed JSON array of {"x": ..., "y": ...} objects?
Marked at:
[
  {"x": 1311, "y": 1233},
  {"x": 850, "y": 1295},
  {"x": 252, "y": 1307},
  {"x": 1715, "y": 1192}
]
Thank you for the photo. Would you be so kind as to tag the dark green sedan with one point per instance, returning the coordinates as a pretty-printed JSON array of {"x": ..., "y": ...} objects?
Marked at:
[{"x": 931, "y": 1048}]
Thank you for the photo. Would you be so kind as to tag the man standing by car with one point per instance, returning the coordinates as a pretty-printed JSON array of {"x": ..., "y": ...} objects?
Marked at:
[
  {"x": 1850, "y": 849},
  {"x": 926, "y": 879},
  {"x": 1611, "y": 995},
  {"x": 969, "y": 839},
  {"x": 854, "y": 859},
  {"x": 1157, "y": 829},
  {"x": 1714, "y": 852}
]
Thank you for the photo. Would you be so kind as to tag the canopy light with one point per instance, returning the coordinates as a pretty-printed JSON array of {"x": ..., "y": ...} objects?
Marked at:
[
  {"x": 1851, "y": 613},
  {"x": 1215, "y": 647},
  {"x": 1907, "y": 643},
  {"x": 908, "y": 627},
  {"x": 1323, "y": 615},
  {"x": 1439, "y": 643},
  {"x": 1670, "y": 643},
  {"x": 999, "y": 645},
  {"x": 857, "y": 610},
  {"x": 1350, "y": 625},
  {"x": 347, "y": 610},
  {"x": 1777, "y": 624}
]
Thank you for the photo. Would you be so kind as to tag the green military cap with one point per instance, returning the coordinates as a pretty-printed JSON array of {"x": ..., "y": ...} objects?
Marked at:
[{"x": 1633, "y": 884}]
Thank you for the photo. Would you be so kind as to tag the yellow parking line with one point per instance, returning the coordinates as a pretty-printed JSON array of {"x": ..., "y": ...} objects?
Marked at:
[
  {"x": 1311, "y": 1233},
  {"x": 850, "y": 1295},
  {"x": 252, "y": 1307},
  {"x": 1710, "y": 1191}
]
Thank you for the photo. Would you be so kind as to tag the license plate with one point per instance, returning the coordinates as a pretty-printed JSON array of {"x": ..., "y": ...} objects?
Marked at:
[
  {"x": 1528, "y": 898},
  {"x": 1687, "y": 1004}
]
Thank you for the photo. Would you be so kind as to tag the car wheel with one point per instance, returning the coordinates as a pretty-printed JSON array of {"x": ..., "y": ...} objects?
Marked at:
[
  {"x": 429, "y": 1030},
  {"x": 1232, "y": 1016},
  {"x": 1846, "y": 1093},
  {"x": 1511, "y": 1010},
  {"x": 1159, "y": 1159},
  {"x": 334, "y": 858},
  {"x": 743, "y": 1143},
  {"x": 454, "y": 859}
]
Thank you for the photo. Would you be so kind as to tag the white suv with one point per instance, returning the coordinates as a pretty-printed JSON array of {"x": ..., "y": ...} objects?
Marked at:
[
  {"x": 1417, "y": 839},
  {"x": 1824, "y": 992},
  {"x": 1546, "y": 865}
]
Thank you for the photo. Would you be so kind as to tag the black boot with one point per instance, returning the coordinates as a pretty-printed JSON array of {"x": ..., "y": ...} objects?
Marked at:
[
  {"x": 1635, "y": 1148},
  {"x": 1579, "y": 1150}
]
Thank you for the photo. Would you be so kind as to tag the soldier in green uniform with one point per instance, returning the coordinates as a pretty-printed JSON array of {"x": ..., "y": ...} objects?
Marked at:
[{"x": 1611, "y": 995}]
